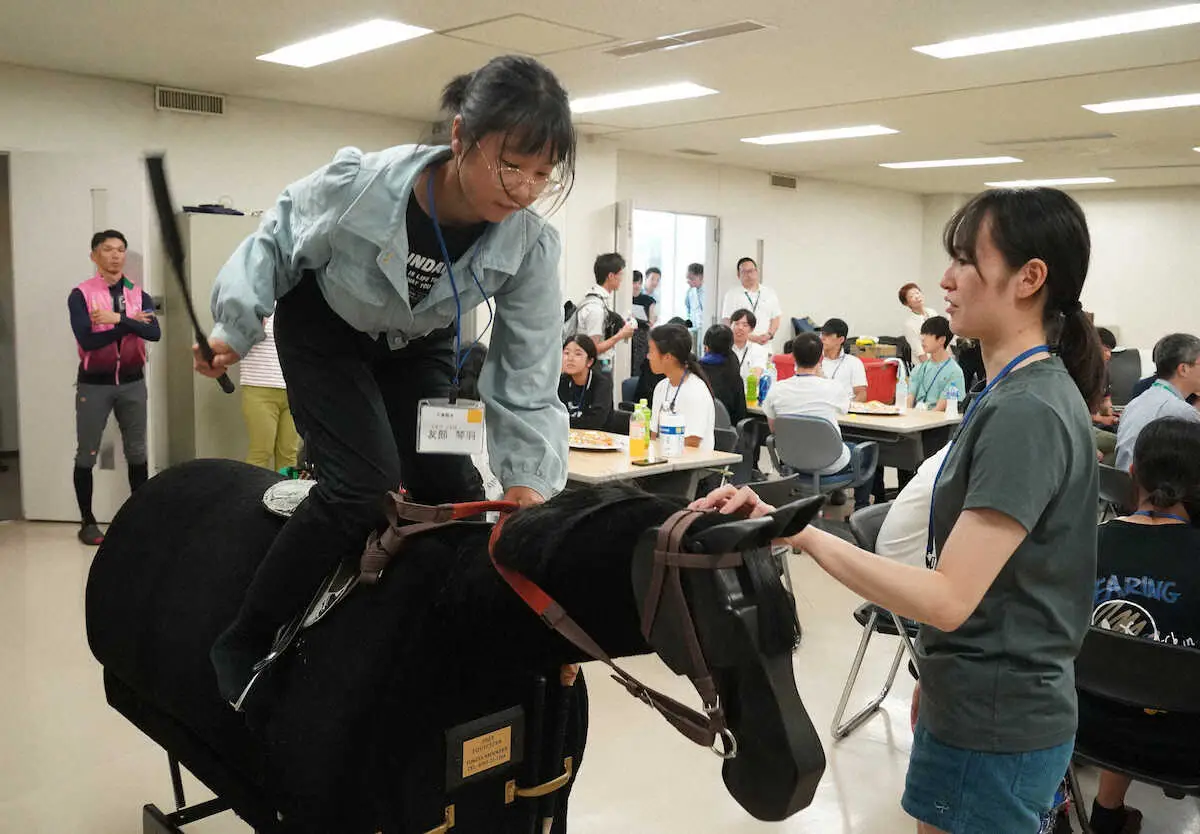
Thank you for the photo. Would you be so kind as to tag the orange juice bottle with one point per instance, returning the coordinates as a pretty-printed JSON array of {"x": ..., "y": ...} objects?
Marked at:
[{"x": 639, "y": 432}]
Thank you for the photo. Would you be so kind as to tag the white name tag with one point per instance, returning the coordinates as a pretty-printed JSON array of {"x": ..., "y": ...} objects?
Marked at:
[{"x": 450, "y": 429}]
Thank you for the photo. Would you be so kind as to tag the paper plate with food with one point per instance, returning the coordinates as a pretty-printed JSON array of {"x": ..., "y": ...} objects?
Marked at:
[
  {"x": 590, "y": 440},
  {"x": 875, "y": 408}
]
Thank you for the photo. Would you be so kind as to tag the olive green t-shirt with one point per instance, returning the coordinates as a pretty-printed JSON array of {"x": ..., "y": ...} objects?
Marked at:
[{"x": 1004, "y": 682}]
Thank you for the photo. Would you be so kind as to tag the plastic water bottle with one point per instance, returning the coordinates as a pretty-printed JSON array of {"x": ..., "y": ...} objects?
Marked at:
[
  {"x": 639, "y": 432},
  {"x": 670, "y": 434},
  {"x": 902, "y": 393},
  {"x": 952, "y": 401},
  {"x": 764, "y": 384},
  {"x": 752, "y": 388}
]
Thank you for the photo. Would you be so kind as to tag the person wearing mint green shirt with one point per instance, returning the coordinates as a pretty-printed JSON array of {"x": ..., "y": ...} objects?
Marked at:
[
  {"x": 932, "y": 378},
  {"x": 373, "y": 259}
]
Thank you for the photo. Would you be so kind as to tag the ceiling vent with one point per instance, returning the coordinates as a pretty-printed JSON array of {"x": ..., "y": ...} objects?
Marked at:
[
  {"x": 695, "y": 152},
  {"x": 689, "y": 38},
  {"x": 783, "y": 181},
  {"x": 188, "y": 101}
]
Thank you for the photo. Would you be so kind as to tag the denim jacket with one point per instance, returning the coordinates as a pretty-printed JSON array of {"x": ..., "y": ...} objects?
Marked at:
[{"x": 346, "y": 222}]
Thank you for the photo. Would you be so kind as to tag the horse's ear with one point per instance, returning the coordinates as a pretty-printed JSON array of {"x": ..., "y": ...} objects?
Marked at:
[
  {"x": 734, "y": 535},
  {"x": 791, "y": 518}
]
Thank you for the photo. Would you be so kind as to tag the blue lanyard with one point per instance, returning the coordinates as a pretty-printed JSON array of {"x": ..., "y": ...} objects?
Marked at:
[
  {"x": 754, "y": 302},
  {"x": 460, "y": 359},
  {"x": 1016, "y": 360},
  {"x": 932, "y": 382},
  {"x": 674, "y": 400},
  {"x": 1153, "y": 514}
]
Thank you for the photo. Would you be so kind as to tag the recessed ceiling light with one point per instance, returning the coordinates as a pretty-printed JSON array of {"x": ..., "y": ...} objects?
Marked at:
[
  {"x": 953, "y": 163},
  {"x": 821, "y": 135},
  {"x": 1133, "y": 105},
  {"x": 1081, "y": 30},
  {"x": 1197, "y": 150},
  {"x": 343, "y": 43},
  {"x": 1050, "y": 182},
  {"x": 636, "y": 98}
]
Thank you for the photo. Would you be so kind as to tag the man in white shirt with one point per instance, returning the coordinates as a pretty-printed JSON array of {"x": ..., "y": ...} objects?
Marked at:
[
  {"x": 693, "y": 300},
  {"x": 748, "y": 354},
  {"x": 653, "y": 276},
  {"x": 809, "y": 394},
  {"x": 1178, "y": 377},
  {"x": 846, "y": 370},
  {"x": 758, "y": 299},
  {"x": 609, "y": 270}
]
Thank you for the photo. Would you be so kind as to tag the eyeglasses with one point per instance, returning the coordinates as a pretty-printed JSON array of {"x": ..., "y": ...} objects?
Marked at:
[{"x": 512, "y": 178}]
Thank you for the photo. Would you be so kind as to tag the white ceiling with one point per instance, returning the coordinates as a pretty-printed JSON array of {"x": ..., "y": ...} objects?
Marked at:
[{"x": 819, "y": 65}]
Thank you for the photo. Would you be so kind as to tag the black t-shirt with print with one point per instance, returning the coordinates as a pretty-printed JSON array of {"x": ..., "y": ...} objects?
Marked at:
[
  {"x": 645, "y": 301},
  {"x": 1148, "y": 581},
  {"x": 425, "y": 263}
]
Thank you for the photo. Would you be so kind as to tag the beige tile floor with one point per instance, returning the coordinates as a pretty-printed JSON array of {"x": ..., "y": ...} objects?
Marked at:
[{"x": 71, "y": 765}]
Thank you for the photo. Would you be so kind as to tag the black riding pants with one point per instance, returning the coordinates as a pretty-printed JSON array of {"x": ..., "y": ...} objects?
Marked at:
[{"x": 355, "y": 402}]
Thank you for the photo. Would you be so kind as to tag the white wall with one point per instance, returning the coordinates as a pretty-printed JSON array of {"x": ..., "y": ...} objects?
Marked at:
[
  {"x": 828, "y": 249},
  {"x": 248, "y": 155},
  {"x": 1145, "y": 261}
]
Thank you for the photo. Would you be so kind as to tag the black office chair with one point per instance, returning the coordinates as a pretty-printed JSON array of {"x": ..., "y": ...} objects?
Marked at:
[
  {"x": 1124, "y": 371},
  {"x": 629, "y": 389},
  {"x": 1117, "y": 493},
  {"x": 865, "y": 526},
  {"x": 1137, "y": 672}
]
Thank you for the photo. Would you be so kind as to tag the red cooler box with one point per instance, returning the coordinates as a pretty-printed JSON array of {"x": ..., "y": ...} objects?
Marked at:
[
  {"x": 785, "y": 365},
  {"x": 881, "y": 380}
]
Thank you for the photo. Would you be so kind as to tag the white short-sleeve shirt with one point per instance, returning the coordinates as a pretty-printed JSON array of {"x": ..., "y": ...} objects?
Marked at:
[
  {"x": 693, "y": 400},
  {"x": 810, "y": 396},
  {"x": 592, "y": 311},
  {"x": 753, "y": 355},
  {"x": 848, "y": 372},
  {"x": 764, "y": 303}
]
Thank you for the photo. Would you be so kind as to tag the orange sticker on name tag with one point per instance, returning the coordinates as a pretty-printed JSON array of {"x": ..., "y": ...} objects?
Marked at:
[{"x": 475, "y": 415}]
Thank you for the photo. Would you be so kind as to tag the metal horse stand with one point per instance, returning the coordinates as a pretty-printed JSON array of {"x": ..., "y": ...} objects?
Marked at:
[{"x": 155, "y": 821}]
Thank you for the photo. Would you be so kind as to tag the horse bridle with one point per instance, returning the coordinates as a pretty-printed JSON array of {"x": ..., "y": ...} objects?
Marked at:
[{"x": 704, "y": 729}]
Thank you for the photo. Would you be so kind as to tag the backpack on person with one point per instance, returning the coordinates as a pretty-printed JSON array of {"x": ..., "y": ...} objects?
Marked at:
[{"x": 612, "y": 322}]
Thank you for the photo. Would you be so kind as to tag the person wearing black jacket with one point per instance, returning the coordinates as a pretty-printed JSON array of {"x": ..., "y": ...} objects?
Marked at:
[
  {"x": 588, "y": 395},
  {"x": 722, "y": 368}
]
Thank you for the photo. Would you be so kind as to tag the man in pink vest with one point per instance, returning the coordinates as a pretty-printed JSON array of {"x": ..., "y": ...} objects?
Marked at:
[{"x": 112, "y": 320}]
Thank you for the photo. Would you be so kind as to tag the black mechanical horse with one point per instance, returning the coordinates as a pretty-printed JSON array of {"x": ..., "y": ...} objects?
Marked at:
[{"x": 435, "y": 700}]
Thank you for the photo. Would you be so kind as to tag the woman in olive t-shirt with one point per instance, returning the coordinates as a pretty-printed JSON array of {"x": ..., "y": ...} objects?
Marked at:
[{"x": 1007, "y": 601}]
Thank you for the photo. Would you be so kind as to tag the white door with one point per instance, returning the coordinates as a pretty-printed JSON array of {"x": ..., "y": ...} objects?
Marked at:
[
  {"x": 58, "y": 201},
  {"x": 623, "y": 302}
]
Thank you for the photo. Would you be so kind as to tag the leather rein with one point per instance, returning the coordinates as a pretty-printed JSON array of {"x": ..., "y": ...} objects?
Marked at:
[{"x": 704, "y": 729}]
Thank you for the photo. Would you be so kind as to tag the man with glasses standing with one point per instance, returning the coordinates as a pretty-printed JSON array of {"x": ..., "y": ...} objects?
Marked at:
[{"x": 757, "y": 298}]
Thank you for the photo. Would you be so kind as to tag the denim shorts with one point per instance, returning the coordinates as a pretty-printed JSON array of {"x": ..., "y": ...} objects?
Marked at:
[{"x": 970, "y": 792}]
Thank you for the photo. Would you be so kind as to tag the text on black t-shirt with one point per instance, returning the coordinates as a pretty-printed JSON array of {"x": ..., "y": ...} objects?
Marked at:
[{"x": 425, "y": 263}]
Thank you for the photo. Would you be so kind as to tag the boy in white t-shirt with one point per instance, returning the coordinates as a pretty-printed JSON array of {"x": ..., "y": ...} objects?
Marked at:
[
  {"x": 809, "y": 394},
  {"x": 846, "y": 370},
  {"x": 748, "y": 354},
  {"x": 758, "y": 299}
]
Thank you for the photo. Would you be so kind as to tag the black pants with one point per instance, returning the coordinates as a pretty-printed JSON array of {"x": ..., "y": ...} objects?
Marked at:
[{"x": 356, "y": 401}]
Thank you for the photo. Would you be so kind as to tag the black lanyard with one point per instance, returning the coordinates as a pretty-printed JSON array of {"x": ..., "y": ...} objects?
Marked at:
[{"x": 932, "y": 382}]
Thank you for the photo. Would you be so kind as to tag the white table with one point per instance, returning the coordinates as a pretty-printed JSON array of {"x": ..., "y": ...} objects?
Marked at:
[{"x": 591, "y": 468}]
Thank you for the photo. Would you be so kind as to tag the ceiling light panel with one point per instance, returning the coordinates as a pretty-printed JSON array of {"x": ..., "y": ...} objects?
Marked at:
[
  {"x": 1051, "y": 182},
  {"x": 1081, "y": 30},
  {"x": 637, "y": 98},
  {"x": 353, "y": 40},
  {"x": 1134, "y": 105},
  {"x": 822, "y": 135},
  {"x": 952, "y": 163}
]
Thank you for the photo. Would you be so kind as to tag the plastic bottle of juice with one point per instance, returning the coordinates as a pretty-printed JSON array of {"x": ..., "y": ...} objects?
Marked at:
[
  {"x": 752, "y": 388},
  {"x": 639, "y": 431}
]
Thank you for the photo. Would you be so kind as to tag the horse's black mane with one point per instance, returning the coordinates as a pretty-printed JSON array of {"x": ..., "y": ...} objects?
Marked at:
[{"x": 612, "y": 517}]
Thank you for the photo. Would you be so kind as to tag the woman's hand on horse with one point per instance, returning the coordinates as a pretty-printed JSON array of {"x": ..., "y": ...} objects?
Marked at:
[
  {"x": 524, "y": 496},
  {"x": 223, "y": 357},
  {"x": 730, "y": 500}
]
